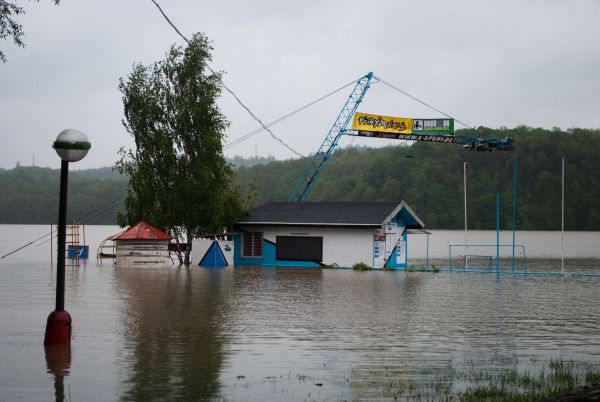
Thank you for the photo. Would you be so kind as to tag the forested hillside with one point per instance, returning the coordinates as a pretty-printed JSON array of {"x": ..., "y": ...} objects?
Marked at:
[
  {"x": 30, "y": 195},
  {"x": 428, "y": 176}
]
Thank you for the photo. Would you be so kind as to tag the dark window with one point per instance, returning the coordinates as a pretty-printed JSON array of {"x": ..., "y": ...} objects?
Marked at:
[
  {"x": 300, "y": 248},
  {"x": 252, "y": 244}
]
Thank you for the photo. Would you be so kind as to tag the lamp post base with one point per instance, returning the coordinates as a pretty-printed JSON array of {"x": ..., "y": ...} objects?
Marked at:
[{"x": 58, "y": 328}]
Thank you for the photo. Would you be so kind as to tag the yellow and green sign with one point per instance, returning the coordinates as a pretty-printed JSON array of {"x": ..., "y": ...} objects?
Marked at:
[{"x": 364, "y": 122}]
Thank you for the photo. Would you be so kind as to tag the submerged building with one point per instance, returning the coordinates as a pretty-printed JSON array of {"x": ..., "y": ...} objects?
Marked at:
[
  {"x": 142, "y": 245},
  {"x": 312, "y": 234}
]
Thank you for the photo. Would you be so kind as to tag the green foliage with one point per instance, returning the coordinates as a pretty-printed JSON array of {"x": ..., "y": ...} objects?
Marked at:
[
  {"x": 361, "y": 266},
  {"x": 9, "y": 27},
  {"x": 179, "y": 179},
  {"x": 30, "y": 195},
  {"x": 559, "y": 380},
  {"x": 430, "y": 181},
  {"x": 428, "y": 176},
  {"x": 251, "y": 161}
]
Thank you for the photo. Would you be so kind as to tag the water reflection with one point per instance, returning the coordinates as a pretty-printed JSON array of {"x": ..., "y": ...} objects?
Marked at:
[
  {"x": 58, "y": 363},
  {"x": 174, "y": 322}
]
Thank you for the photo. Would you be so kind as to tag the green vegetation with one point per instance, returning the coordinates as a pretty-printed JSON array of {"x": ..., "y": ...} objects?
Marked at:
[
  {"x": 30, "y": 195},
  {"x": 469, "y": 384},
  {"x": 430, "y": 181},
  {"x": 9, "y": 27},
  {"x": 179, "y": 179},
  {"x": 361, "y": 266},
  {"x": 429, "y": 177},
  {"x": 558, "y": 378}
]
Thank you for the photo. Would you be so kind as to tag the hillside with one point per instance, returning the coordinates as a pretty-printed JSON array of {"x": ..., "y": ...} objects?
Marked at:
[
  {"x": 30, "y": 195},
  {"x": 428, "y": 176}
]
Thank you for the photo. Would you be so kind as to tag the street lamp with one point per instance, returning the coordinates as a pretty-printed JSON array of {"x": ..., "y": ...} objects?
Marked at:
[{"x": 72, "y": 146}]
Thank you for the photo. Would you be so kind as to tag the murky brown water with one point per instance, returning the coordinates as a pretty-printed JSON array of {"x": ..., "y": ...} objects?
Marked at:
[{"x": 248, "y": 333}]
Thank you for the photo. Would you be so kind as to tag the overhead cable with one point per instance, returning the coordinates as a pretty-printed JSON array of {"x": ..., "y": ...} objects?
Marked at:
[
  {"x": 280, "y": 119},
  {"x": 264, "y": 127},
  {"x": 420, "y": 101},
  {"x": 90, "y": 215}
]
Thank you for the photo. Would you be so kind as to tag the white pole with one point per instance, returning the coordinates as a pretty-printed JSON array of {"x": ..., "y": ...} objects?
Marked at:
[
  {"x": 562, "y": 225},
  {"x": 465, "y": 197}
]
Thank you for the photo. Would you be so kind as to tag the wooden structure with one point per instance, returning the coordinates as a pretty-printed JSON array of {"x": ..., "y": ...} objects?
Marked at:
[{"x": 142, "y": 245}]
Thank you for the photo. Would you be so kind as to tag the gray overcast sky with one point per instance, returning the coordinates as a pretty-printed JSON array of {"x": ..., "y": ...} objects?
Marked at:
[{"x": 492, "y": 63}]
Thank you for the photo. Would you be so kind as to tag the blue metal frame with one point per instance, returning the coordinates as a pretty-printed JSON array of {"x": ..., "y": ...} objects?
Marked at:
[
  {"x": 320, "y": 158},
  {"x": 498, "y": 270}
]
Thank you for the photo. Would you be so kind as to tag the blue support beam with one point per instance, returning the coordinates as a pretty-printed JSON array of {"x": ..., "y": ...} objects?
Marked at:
[{"x": 320, "y": 158}]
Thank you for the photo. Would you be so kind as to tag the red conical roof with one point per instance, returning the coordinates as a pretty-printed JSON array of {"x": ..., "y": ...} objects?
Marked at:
[{"x": 142, "y": 231}]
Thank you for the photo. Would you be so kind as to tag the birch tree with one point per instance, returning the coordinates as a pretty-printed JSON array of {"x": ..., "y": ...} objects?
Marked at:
[{"x": 179, "y": 178}]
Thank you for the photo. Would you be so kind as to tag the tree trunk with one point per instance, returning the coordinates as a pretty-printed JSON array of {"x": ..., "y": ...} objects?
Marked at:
[
  {"x": 188, "y": 249},
  {"x": 179, "y": 257}
]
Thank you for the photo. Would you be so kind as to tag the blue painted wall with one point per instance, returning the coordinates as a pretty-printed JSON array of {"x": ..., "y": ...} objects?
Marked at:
[
  {"x": 391, "y": 262},
  {"x": 268, "y": 256},
  {"x": 269, "y": 252}
]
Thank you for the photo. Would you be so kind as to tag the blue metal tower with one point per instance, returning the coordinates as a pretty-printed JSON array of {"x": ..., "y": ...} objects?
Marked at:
[{"x": 320, "y": 158}]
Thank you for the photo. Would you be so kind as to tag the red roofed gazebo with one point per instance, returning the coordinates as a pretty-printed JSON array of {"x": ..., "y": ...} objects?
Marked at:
[
  {"x": 142, "y": 245},
  {"x": 142, "y": 231}
]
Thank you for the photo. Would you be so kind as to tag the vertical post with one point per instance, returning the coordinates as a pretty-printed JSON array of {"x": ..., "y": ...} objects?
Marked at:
[
  {"x": 58, "y": 325},
  {"x": 51, "y": 248},
  {"x": 497, "y": 233},
  {"x": 465, "y": 202},
  {"x": 427, "y": 257},
  {"x": 514, "y": 223},
  {"x": 71, "y": 146},
  {"x": 62, "y": 235},
  {"x": 562, "y": 221}
]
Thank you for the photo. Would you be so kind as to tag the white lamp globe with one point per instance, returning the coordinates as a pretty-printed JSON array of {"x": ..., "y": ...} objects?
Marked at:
[{"x": 71, "y": 145}]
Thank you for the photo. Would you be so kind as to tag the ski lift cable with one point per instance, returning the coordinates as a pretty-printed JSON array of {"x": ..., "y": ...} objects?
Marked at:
[
  {"x": 228, "y": 89},
  {"x": 420, "y": 101},
  {"x": 99, "y": 212},
  {"x": 282, "y": 118},
  {"x": 89, "y": 215}
]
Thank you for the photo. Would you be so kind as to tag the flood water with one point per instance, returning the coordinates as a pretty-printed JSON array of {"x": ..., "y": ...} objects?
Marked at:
[{"x": 285, "y": 334}]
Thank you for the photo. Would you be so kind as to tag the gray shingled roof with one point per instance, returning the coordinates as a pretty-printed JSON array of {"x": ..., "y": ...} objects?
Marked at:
[{"x": 326, "y": 213}]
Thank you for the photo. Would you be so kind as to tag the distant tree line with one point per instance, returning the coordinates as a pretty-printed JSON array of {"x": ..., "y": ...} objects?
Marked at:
[
  {"x": 251, "y": 161},
  {"x": 428, "y": 176},
  {"x": 30, "y": 195}
]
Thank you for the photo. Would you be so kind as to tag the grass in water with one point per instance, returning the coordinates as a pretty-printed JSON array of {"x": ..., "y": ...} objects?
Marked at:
[
  {"x": 361, "y": 266},
  {"x": 511, "y": 385}
]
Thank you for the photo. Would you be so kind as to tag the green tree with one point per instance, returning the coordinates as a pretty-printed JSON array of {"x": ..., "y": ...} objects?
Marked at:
[
  {"x": 179, "y": 178},
  {"x": 9, "y": 27}
]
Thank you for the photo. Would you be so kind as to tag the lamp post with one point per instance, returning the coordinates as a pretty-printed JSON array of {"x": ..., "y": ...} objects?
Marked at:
[{"x": 72, "y": 146}]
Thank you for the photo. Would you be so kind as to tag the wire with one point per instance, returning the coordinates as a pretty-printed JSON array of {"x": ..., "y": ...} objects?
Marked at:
[
  {"x": 89, "y": 215},
  {"x": 264, "y": 127},
  {"x": 282, "y": 118},
  {"x": 348, "y": 149},
  {"x": 110, "y": 204},
  {"x": 420, "y": 101}
]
